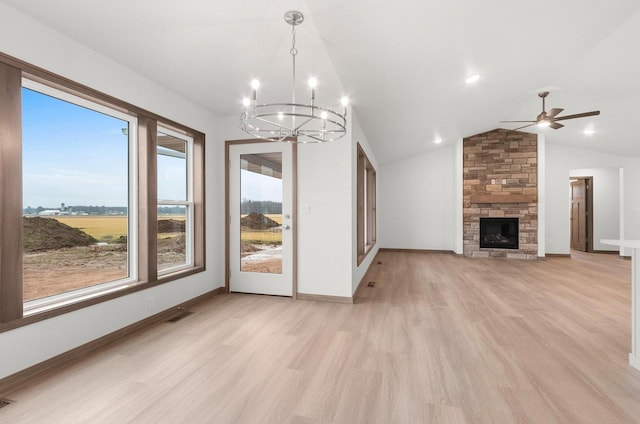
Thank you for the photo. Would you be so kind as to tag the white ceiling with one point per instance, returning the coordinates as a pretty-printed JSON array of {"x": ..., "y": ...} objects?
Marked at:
[{"x": 403, "y": 63}]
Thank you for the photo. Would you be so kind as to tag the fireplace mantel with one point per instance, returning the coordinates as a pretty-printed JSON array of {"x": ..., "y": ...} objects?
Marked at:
[{"x": 503, "y": 198}]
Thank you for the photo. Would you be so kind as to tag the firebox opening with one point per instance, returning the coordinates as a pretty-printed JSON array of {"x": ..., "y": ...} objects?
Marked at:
[{"x": 499, "y": 233}]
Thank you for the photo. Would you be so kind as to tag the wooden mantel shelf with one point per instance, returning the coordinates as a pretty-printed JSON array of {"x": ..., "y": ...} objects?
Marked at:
[{"x": 503, "y": 198}]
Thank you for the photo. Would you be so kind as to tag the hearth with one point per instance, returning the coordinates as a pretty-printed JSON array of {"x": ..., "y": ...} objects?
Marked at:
[{"x": 499, "y": 233}]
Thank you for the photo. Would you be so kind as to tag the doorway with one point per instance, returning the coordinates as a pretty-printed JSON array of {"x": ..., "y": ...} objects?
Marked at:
[
  {"x": 582, "y": 213},
  {"x": 260, "y": 218}
]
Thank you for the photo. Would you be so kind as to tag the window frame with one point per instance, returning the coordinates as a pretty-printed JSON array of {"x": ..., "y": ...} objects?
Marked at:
[
  {"x": 188, "y": 203},
  {"x": 366, "y": 221},
  {"x": 143, "y": 172},
  {"x": 66, "y": 298}
]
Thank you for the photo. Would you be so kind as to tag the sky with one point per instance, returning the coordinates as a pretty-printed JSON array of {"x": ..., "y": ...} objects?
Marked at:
[
  {"x": 77, "y": 156},
  {"x": 254, "y": 186}
]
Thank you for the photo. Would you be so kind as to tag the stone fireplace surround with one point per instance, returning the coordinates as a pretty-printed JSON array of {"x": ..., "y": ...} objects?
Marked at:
[{"x": 500, "y": 180}]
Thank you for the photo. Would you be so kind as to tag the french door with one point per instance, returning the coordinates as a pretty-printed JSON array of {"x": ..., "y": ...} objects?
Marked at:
[{"x": 260, "y": 222}]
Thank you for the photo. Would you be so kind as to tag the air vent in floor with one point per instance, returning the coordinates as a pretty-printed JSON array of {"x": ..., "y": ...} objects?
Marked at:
[
  {"x": 180, "y": 315},
  {"x": 371, "y": 284},
  {"x": 6, "y": 402},
  {"x": 379, "y": 262}
]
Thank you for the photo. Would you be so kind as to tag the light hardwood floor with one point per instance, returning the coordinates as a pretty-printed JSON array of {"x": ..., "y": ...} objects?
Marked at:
[{"x": 439, "y": 339}]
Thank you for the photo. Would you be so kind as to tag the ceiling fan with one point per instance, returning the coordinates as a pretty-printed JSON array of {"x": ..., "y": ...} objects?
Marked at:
[{"x": 549, "y": 119}]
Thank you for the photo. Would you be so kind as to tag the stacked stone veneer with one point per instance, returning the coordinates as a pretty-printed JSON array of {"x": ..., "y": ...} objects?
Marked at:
[{"x": 510, "y": 159}]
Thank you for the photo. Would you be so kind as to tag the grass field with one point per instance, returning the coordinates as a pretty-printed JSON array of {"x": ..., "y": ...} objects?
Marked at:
[
  {"x": 249, "y": 235},
  {"x": 101, "y": 228},
  {"x": 109, "y": 228},
  {"x": 106, "y": 228}
]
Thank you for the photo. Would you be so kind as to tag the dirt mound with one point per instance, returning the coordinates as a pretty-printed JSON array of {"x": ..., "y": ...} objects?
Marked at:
[
  {"x": 170, "y": 226},
  {"x": 47, "y": 234},
  {"x": 257, "y": 221},
  {"x": 172, "y": 244}
]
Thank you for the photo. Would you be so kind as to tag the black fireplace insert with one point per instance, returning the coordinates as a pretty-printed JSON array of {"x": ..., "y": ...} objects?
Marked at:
[{"x": 499, "y": 233}]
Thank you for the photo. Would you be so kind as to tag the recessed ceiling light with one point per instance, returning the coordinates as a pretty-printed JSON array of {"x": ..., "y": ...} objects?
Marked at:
[
  {"x": 437, "y": 140},
  {"x": 588, "y": 132},
  {"x": 472, "y": 79}
]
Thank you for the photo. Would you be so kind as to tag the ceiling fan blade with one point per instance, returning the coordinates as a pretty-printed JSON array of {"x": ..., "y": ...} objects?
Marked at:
[
  {"x": 578, "y": 115},
  {"x": 525, "y": 126},
  {"x": 520, "y": 121},
  {"x": 553, "y": 112},
  {"x": 556, "y": 125}
]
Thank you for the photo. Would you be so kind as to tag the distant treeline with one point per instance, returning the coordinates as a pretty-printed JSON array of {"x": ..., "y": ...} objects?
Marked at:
[
  {"x": 81, "y": 209},
  {"x": 100, "y": 210},
  {"x": 260, "y": 206}
]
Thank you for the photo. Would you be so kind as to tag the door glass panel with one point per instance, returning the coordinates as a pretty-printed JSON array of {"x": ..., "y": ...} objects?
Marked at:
[{"x": 261, "y": 213}]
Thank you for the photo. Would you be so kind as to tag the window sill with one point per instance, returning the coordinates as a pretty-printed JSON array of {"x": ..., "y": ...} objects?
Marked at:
[
  {"x": 65, "y": 307},
  {"x": 367, "y": 249}
]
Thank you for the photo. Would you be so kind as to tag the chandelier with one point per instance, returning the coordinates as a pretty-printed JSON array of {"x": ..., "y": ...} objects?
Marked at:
[{"x": 293, "y": 122}]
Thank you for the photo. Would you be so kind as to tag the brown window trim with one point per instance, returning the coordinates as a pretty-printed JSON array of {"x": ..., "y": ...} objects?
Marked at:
[
  {"x": 366, "y": 206},
  {"x": 12, "y": 71}
]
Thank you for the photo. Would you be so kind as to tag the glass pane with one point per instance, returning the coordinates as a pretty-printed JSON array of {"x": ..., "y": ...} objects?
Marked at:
[
  {"x": 75, "y": 194},
  {"x": 172, "y": 168},
  {"x": 172, "y": 247},
  {"x": 261, "y": 213}
]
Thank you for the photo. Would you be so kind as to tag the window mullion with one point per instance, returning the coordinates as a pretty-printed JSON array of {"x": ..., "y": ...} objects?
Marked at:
[
  {"x": 10, "y": 193},
  {"x": 147, "y": 194}
]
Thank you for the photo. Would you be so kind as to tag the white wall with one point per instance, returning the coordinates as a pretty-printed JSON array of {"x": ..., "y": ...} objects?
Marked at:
[
  {"x": 324, "y": 233},
  {"x": 359, "y": 137},
  {"x": 327, "y": 250},
  {"x": 560, "y": 161},
  {"x": 416, "y": 201},
  {"x": 26, "y": 39},
  {"x": 606, "y": 204},
  {"x": 324, "y": 212}
]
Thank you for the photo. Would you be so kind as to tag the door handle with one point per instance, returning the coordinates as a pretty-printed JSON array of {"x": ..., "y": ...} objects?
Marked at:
[{"x": 286, "y": 227}]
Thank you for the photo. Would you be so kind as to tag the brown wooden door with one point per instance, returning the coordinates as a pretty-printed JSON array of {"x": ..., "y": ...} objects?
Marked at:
[{"x": 579, "y": 215}]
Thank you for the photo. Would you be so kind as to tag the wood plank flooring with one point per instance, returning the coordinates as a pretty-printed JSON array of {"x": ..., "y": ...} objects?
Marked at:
[{"x": 439, "y": 339}]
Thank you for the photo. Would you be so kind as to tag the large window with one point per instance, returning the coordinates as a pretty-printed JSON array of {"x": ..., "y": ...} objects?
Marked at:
[
  {"x": 98, "y": 197},
  {"x": 76, "y": 161},
  {"x": 366, "y": 203}
]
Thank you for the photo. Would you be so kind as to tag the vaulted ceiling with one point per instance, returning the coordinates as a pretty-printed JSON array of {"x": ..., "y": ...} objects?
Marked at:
[{"x": 403, "y": 63}]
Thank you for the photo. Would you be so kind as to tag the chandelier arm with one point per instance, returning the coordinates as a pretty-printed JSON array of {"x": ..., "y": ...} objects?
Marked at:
[
  {"x": 277, "y": 124},
  {"x": 310, "y": 118}
]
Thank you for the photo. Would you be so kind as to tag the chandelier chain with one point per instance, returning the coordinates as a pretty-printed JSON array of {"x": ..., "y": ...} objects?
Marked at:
[{"x": 293, "y": 52}]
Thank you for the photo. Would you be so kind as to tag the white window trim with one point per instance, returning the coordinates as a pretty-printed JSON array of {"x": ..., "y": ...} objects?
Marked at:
[
  {"x": 189, "y": 240},
  {"x": 40, "y": 305}
]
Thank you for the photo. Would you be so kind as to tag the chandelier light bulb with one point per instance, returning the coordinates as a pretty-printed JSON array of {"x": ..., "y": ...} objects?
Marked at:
[
  {"x": 255, "y": 84},
  {"x": 313, "y": 83},
  {"x": 280, "y": 116},
  {"x": 246, "y": 102},
  {"x": 324, "y": 115},
  {"x": 344, "y": 101}
]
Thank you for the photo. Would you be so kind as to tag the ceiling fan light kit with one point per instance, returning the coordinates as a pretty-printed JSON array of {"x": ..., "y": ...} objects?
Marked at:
[
  {"x": 293, "y": 122},
  {"x": 549, "y": 119}
]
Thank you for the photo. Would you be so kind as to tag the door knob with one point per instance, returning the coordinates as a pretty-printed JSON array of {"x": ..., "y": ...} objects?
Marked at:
[{"x": 286, "y": 227}]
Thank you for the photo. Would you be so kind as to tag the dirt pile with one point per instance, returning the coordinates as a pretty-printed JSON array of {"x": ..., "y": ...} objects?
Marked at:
[
  {"x": 171, "y": 226},
  {"x": 257, "y": 221},
  {"x": 42, "y": 234}
]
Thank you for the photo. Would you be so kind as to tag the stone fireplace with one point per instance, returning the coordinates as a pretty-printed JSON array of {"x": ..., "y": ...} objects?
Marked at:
[{"x": 500, "y": 175}]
